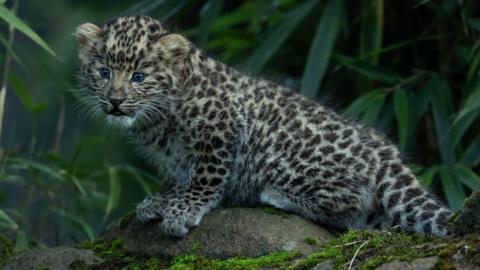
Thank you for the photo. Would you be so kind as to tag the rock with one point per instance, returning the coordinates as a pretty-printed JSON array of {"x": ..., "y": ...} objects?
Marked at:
[
  {"x": 326, "y": 265},
  {"x": 224, "y": 233},
  {"x": 57, "y": 258},
  {"x": 417, "y": 264},
  {"x": 467, "y": 219}
]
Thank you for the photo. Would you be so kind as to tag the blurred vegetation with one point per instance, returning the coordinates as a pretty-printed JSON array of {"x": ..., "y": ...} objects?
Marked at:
[{"x": 410, "y": 68}]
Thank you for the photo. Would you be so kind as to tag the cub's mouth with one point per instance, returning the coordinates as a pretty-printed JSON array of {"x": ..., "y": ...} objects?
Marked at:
[{"x": 116, "y": 112}]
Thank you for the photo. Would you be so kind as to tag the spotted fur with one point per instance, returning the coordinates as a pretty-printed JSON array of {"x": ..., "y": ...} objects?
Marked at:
[{"x": 224, "y": 137}]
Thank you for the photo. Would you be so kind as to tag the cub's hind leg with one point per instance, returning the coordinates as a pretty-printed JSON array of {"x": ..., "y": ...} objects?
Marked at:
[{"x": 335, "y": 207}]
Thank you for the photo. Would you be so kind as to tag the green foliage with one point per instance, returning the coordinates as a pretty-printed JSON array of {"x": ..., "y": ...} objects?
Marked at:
[{"x": 16, "y": 22}]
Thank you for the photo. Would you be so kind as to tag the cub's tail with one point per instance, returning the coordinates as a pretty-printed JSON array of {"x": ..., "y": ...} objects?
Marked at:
[{"x": 408, "y": 204}]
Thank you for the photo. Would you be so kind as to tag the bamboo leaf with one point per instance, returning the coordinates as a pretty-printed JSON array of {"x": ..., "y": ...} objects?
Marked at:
[
  {"x": 12, "y": 52},
  {"x": 16, "y": 22},
  {"x": 427, "y": 177},
  {"x": 371, "y": 34},
  {"x": 466, "y": 176},
  {"x": 360, "y": 105},
  {"x": 23, "y": 94},
  {"x": 472, "y": 155},
  {"x": 6, "y": 222},
  {"x": 453, "y": 190},
  {"x": 400, "y": 103},
  {"x": 141, "y": 182},
  {"x": 440, "y": 116},
  {"x": 321, "y": 48},
  {"x": 39, "y": 167},
  {"x": 277, "y": 36},
  {"x": 79, "y": 223},
  {"x": 472, "y": 103},
  {"x": 79, "y": 186},
  {"x": 368, "y": 70},
  {"x": 462, "y": 125},
  {"x": 373, "y": 109},
  {"x": 115, "y": 189},
  {"x": 21, "y": 242},
  {"x": 209, "y": 13}
]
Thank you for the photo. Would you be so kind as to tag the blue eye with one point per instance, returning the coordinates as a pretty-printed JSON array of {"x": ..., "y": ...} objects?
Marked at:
[
  {"x": 138, "y": 77},
  {"x": 104, "y": 73}
]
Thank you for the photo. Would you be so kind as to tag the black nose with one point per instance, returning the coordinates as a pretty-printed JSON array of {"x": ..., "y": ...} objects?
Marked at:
[{"x": 115, "y": 101}]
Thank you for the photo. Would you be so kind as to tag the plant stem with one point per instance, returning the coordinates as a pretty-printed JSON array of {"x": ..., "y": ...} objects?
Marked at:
[{"x": 6, "y": 69}]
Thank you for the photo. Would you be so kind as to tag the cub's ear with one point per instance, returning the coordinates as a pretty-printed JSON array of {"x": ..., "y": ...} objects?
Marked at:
[
  {"x": 174, "y": 46},
  {"x": 87, "y": 34}
]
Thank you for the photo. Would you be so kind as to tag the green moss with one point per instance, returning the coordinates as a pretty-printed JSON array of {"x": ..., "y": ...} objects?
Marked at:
[
  {"x": 374, "y": 248},
  {"x": 275, "y": 211},
  {"x": 105, "y": 249},
  {"x": 444, "y": 265},
  {"x": 126, "y": 219},
  {"x": 153, "y": 264},
  {"x": 310, "y": 241},
  {"x": 78, "y": 265},
  {"x": 189, "y": 261},
  {"x": 6, "y": 249},
  {"x": 116, "y": 258}
]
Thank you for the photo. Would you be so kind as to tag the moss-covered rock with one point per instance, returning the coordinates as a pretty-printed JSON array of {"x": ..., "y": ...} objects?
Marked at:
[
  {"x": 240, "y": 238},
  {"x": 57, "y": 258},
  {"x": 224, "y": 233},
  {"x": 467, "y": 220}
]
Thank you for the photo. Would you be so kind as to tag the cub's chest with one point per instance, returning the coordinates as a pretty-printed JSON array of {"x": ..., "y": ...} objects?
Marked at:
[{"x": 172, "y": 156}]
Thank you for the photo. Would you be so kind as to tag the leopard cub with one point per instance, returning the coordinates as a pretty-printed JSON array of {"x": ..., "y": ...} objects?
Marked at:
[{"x": 225, "y": 137}]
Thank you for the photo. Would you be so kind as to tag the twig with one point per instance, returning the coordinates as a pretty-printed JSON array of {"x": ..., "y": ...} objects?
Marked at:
[
  {"x": 6, "y": 69},
  {"x": 60, "y": 127},
  {"x": 356, "y": 253},
  {"x": 348, "y": 244}
]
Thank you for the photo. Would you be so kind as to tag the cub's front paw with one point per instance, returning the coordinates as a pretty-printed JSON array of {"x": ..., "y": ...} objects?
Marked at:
[
  {"x": 149, "y": 209},
  {"x": 178, "y": 223}
]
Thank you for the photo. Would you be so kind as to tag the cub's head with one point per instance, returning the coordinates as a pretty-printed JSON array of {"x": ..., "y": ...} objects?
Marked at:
[{"x": 132, "y": 67}]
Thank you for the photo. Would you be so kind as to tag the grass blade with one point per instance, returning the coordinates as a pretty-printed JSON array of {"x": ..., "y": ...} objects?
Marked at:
[
  {"x": 322, "y": 47},
  {"x": 401, "y": 105},
  {"x": 209, "y": 13},
  {"x": 16, "y": 22},
  {"x": 277, "y": 36}
]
